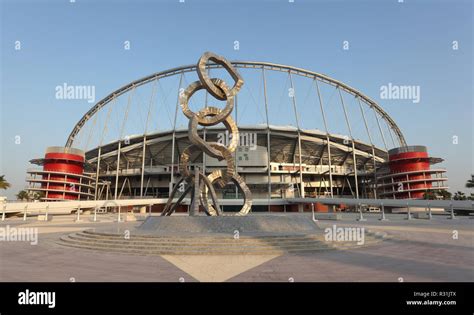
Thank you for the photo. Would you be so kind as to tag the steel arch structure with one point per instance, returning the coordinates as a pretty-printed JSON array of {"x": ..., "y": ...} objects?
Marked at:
[{"x": 244, "y": 65}]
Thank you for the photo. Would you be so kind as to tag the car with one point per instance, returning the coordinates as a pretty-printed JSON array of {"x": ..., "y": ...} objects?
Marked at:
[{"x": 373, "y": 209}]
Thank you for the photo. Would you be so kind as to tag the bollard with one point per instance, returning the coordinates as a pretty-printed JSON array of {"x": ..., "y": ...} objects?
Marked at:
[
  {"x": 149, "y": 210},
  {"x": 24, "y": 214},
  {"x": 408, "y": 212},
  {"x": 361, "y": 217},
  {"x": 312, "y": 209},
  {"x": 430, "y": 216},
  {"x": 95, "y": 213},
  {"x": 47, "y": 211},
  {"x": 452, "y": 213},
  {"x": 78, "y": 214},
  {"x": 383, "y": 218},
  {"x": 4, "y": 210},
  {"x": 119, "y": 219}
]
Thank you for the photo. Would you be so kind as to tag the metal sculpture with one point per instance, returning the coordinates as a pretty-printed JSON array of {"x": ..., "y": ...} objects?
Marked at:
[{"x": 198, "y": 184}]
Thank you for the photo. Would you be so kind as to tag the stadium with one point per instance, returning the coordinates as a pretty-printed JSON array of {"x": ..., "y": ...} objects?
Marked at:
[{"x": 302, "y": 134}]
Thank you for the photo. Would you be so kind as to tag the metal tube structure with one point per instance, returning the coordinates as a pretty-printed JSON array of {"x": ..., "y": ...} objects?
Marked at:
[
  {"x": 269, "y": 171},
  {"x": 97, "y": 173},
  {"x": 204, "y": 133},
  {"x": 391, "y": 137},
  {"x": 142, "y": 171},
  {"x": 380, "y": 129},
  {"x": 354, "y": 161},
  {"x": 327, "y": 137},
  {"x": 373, "y": 147},
  {"x": 100, "y": 146},
  {"x": 120, "y": 141},
  {"x": 94, "y": 121},
  {"x": 236, "y": 159},
  {"x": 299, "y": 136},
  {"x": 117, "y": 161},
  {"x": 142, "y": 175},
  {"x": 238, "y": 64},
  {"x": 174, "y": 135},
  {"x": 117, "y": 170},
  {"x": 204, "y": 137}
]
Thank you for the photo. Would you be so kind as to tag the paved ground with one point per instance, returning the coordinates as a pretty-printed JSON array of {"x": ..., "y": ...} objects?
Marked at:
[{"x": 420, "y": 250}]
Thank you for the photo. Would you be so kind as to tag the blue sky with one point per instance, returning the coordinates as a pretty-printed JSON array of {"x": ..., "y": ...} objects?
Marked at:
[{"x": 407, "y": 43}]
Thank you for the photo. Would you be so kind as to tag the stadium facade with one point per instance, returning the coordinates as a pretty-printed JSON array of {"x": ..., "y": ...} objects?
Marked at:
[{"x": 276, "y": 160}]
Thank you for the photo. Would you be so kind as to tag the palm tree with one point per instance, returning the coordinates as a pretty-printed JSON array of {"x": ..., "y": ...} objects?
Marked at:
[
  {"x": 459, "y": 195},
  {"x": 445, "y": 195},
  {"x": 3, "y": 183},
  {"x": 470, "y": 182},
  {"x": 23, "y": 195},
  {"x": 429, "y": 195},
  {"x": 38, "y": 195}
]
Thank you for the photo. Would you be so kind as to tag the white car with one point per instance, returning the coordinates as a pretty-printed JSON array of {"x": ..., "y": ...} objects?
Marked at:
[{"x": 373, "y": 209}]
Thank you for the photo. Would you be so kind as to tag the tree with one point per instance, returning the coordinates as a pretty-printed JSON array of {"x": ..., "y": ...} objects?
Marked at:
[
  {"x": 459, "y": 195},
  {"x": 437, "y": 194},
  {"x": 470, "y": 182},
  {"x": 3, "y": 183},
  {"x": 38, "y": 195},
  {"x": 445, "y": 195},
  {"x": 23, "y": 195},
  {"x": 429, "y": 195}
]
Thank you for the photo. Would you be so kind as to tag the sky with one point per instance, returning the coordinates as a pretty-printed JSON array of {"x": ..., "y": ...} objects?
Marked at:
[{"x": 428, "y": 44}]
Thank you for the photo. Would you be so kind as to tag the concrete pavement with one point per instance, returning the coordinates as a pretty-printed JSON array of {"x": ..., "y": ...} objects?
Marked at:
[{"x": 419, "y": 250}]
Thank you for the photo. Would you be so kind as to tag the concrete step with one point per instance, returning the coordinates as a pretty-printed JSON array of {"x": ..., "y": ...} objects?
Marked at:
[
  {"x": 182, "y": 245},
  {"x": 209, "y": 251},
  {"x": 227, "y": 239},
  {"x": 175, "y": 251},
  {"x": 221, "y": 240},
  {"x": 230, "y": 237},
  {"x": 237, "y": 244},
  {"x": 195, "y": 251},
  {"x": 207, "y": 245}
]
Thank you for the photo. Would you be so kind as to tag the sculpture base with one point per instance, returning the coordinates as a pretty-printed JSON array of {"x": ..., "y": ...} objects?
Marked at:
[
  {"x": 269, "y": 234},
  {"x": 250, "y": 225}
]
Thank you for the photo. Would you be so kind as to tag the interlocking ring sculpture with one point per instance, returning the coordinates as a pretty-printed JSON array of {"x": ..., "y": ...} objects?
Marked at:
[{"x": 197, "y": 183}]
